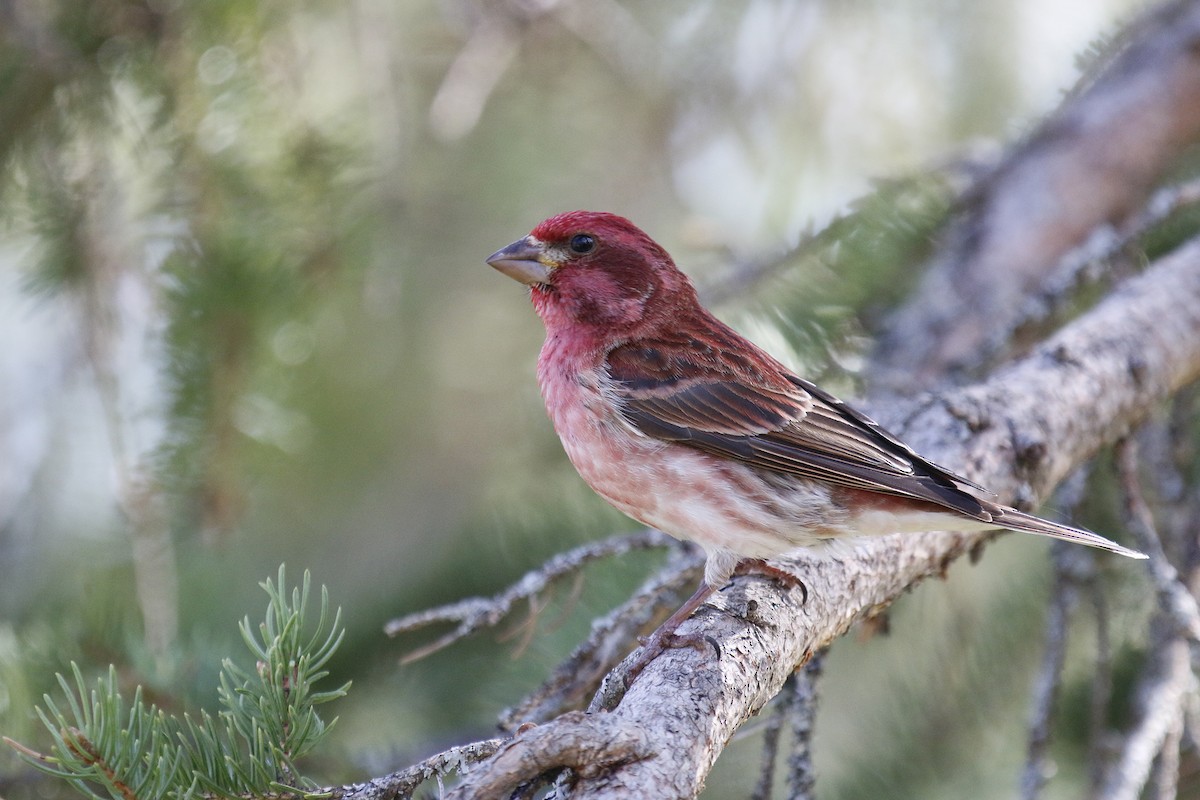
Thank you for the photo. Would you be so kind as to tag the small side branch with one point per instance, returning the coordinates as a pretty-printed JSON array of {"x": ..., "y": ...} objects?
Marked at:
[
  {"x": 801, "y": 781},
  {"x": 1049, "y": 678},
  {"x": 1075, "y": 575},
  {"x": 1102, "y": 688},
  {"x": 770, "y": 747},
  {"x": 403, "y": 783},
  {"x": 1088, "y": 262},
  {"x": 1170, "y": 677},
  {"x": 1173, "y": 596},
  {"x": 796, "y": 705},
  {"x": 475, "y": 613},
  {"x": 1161, "y": 701}
]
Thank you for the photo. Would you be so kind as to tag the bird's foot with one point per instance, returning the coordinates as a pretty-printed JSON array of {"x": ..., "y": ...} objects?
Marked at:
[
  {"x": 617, "y": 682},
  {"x": 665, "y": 637},
  {"x": 762, "y": 568},
  {"x": 655, "y": 644}
]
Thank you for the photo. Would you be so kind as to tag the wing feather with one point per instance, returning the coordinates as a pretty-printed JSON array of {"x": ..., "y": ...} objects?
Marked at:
[{"x": 774, "y": 421}]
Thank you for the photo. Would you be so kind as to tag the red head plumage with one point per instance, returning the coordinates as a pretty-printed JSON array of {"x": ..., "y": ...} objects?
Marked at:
[{"x": 598, "y": 271}]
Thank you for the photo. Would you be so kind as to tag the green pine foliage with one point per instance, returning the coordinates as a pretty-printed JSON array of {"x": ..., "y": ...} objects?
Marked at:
[{"x": 268, "y": 720}]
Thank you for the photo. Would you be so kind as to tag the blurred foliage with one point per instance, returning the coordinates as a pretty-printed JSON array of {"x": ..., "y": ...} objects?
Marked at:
[{"x": 247, "y": 319}]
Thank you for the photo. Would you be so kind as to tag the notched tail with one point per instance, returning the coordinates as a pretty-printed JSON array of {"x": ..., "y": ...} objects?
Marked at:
[{"x": 1027, "y": 523}]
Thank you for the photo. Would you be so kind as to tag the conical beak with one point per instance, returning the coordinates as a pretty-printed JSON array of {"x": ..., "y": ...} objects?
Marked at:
[{"x": 522, "y": 261}]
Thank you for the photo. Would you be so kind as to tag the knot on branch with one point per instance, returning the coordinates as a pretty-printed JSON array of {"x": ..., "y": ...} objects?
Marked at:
[{"x": 588, "y": 744}]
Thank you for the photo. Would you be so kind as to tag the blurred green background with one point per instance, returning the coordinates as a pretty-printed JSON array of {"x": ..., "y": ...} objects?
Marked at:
[{"x": 246, "y": 320}]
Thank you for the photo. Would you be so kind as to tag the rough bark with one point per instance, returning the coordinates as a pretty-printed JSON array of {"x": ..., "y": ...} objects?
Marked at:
[{"x": 1018, "y": 433}]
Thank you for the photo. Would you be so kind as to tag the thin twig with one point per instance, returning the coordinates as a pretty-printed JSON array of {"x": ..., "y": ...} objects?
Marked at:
[
  {"x": 1102, "y": 687},
  {"x": 1169, "y": 677},
  {"x": 403, "y": 783},
  {"x": 1176, "y": 461},
  {"x": 1190, "y": 739},
  {"x": 1173, "y": 596},
  {"x": 770, "y": 745},
  {"x": 1074, "y": 569},
  {"x": 86, "y": 751},
  {"x": 474, "y": 613},
  {"x": 1166, "y": 682},
  {"x": 1063, "y": 597},
  {"x": 1164, "y": 780},
  {"x": 801, "y": 777}
]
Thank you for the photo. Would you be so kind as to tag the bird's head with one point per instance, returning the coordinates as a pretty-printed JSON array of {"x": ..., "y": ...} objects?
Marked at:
[{"x": 597, "y": 270}]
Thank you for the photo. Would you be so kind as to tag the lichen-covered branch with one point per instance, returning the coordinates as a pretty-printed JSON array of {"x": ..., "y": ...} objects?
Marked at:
[{"x": 405, "y": 782}]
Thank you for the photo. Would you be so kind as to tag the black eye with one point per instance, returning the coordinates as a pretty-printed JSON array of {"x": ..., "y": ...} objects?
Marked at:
[{"x": 582, "y": 243}]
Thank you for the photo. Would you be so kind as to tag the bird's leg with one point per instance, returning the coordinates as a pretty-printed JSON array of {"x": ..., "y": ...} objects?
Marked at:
[
  {"x": 664, "y": 636},
  {"x": 667, "y": 629}
]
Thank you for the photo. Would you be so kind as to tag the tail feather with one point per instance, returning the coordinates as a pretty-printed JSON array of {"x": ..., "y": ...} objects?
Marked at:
[{"x": 1027, "y": 523}]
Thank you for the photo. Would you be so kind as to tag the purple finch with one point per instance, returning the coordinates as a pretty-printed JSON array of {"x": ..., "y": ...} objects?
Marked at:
[{"x": 686, "y": 426}]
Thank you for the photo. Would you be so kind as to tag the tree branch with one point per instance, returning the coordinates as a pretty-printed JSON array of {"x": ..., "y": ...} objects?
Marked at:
[
  {"x": 1161, "y": 702},
  {"x": 801, "y": 783},
  {"x": 1176, "y": 602},
  {"x": 1063, "y": 599}
]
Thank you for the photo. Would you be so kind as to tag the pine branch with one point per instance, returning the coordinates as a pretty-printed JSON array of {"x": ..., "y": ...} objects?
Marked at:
[{"x": 249, "y": 749}]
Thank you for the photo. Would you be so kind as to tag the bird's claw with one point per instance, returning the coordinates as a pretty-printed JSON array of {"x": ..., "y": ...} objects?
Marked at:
[{"x": 761, "y": 568}]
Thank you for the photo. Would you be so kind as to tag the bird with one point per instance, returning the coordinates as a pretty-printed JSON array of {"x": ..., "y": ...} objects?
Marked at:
[{"x": 688, "y": 427}]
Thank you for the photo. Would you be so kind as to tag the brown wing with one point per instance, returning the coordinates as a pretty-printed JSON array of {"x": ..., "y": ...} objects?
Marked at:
[{"x": 773, "y": 420}]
